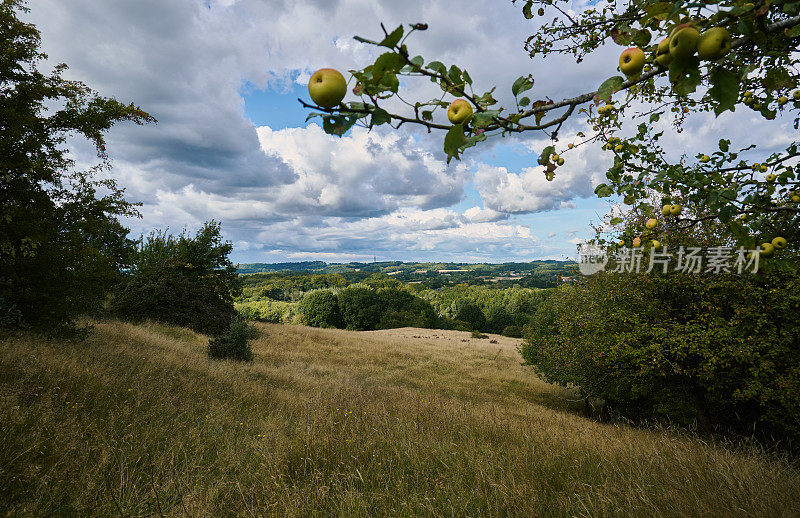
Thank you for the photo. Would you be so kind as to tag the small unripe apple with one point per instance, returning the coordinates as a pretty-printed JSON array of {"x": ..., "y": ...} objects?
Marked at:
[
  {"x": 714, "y": 43},
  {"x": 771, "y": 178},
  {"x": 656, "y": 244},
  {"x": 756, "y": 166},
  {"x": 631, "y": 62},
  {"x": 705, "y": 159},
  {"x": 796, "y": 95},
  {"x": 637, "y": 242},
  {"x": 763, "y": 168},
  {"x": 621, "y": 242},
  {"x": 675, "y": 210},
  {"x": 767, "y": 249},
  {"x": 796, "y": 198},
  {"x": 555, "y": 157},
  {"x": 782, "y": 100},
  {"x": 683, "y": 41},
  {"x": 618, "y": 148},
  {"x": 665, "y": 209},
  {"x": 571, "y": 145},
  {"x": 327, "y": 87},
  {"x": 459, "y": 111},
  {"x": 560, "y": 161},
  {"x": 779, "y": 243},
  {"x": 651, "y": 223}
]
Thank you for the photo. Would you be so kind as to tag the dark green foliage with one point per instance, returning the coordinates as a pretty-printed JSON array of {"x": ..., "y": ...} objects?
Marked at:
[
  {"x": 512, "y": 331},
  {"x": 320, "y": 309},
  {"x": 186, "y": 281},
  {"x": 465, "y": 311},
  {"x": 720, "y": 351},
  {"x": 61, "y": 245},
  {"x": 360, "y": 307},
  {"x": 478, "y": 334},
  {"x": 497, "y": 319},
  {"x": 234, "y": 343}
]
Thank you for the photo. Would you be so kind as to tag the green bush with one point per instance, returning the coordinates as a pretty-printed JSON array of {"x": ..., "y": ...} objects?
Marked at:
[
  {"x": 360, "y": 307},
  {"x": 266, "y": 310},
  {"x": 717, "y": 351},
  {"x": 186, "y": 281},
  {"x": 234, "y": 343},
  {"x": 512, "y": 331},
  {"x": 320, "y": 309}
]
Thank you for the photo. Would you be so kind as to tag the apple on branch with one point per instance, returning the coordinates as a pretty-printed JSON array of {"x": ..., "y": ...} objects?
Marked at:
[
  {"x": 663, "y": 56},
  {"x": 459, "y": 111},
  {"x": 327, "y": 87},
  {"x": 651, "y": 223},
  {"x": 631, "y": 62},
  {"x": 683, "y": 41},
  {"x": 714, "y": 43}
]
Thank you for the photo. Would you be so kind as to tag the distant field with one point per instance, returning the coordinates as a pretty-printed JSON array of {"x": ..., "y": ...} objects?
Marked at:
[{"x": 412, "y": 422}]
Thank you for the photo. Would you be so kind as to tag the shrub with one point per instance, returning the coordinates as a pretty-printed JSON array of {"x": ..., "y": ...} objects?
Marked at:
[
  {"x": 478, "y": 334},
  {"x": 234, "y": 343},
  {"x": 360, "y": 307},
  {"x": 512, "y": 331},
  {"x": 719, "y": 351},
  {"x": 186, "y": 281},
  {"x": 266, "y": 310},
  {"x": 320, "y": 309},
  {"x": 471, "y": 314},
  {"x": 497, "y": 319}
]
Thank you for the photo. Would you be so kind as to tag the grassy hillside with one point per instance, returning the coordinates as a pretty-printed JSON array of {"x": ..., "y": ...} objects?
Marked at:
[{"x": 138, "y": 421}]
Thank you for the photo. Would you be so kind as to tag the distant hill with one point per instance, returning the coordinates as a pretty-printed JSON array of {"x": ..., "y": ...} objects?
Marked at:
[{"x": 395, "y": 267}]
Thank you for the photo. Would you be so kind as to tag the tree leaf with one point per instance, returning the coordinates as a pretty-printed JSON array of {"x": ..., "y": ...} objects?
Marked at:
[
  {"x": 453, "y": 141},
  {"x": 616, "y": 221},
  {"x": 365, "y": 40},
  {"x": 380, "y": 116},
  {"x": 544, "y": 156},
  {"x": 603, "y": 190},
  {"x": 724, "y": 89},
  {"x": 522, "y": 84},
  {"x": 393, "y": 38},
  {"x": 484, "y": 119},
  {"x": 527, "y": 10},
  {"x": 609, "y": 86}
]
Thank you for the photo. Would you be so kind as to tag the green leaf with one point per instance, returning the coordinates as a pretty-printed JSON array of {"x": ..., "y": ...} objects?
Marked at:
[
  {"x": 380, "y": 116},
  {"x": 724, "y": 89},
  {"x": 684, "y": 75},
  {"x": 365, "y": 40},
  {"x": 484, "y": 119},
  {"x": 466, "y": 77},
  {"x": 392, "y": 39},
  {"x": 615, "y": 221},
  {"x": 427, "y": 115},
  {"x": 454, "y": 74},
  {"x": 522, "y": 84},
  {"x": 437, "y": 66},
  {"x": 453, "y": 142},
  {"x": 654, "y": 117},
  {"x": 724, "y": 145},
  {"x": 386, "y": 62},
  {"x": 527, "y": 10},
  {"x": 609, "y": 86},
  {"x": 544, "y": 156},
  {"x": 726, "y": 213},
  {"x": 603, "y": 190},
  {"x": 338, "y": 124},
  {"x": 525, "y": 101}
]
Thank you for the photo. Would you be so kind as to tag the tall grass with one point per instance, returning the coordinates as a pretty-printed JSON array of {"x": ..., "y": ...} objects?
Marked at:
[{"x": 139, "y": 421}]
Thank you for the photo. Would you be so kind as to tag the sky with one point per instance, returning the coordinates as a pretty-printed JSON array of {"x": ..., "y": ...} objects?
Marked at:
[{"x": 232, "y": 142}]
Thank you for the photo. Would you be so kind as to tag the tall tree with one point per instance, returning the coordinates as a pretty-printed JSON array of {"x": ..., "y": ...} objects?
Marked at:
[{"x": 61, "y": 243}]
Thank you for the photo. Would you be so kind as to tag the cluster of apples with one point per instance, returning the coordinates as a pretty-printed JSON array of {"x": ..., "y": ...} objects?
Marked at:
[
  {"x": 769, "y": 248},
  {"x": 682, "y": 43}
]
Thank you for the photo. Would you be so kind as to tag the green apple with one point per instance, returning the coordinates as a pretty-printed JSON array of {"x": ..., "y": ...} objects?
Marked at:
[
  {"x": 560, "y": 161},
  {"x": 663, "y": 57},
  {"x": 656, "y": 244},
  {"x": 327, "y": 87},
  {"x": 631, "y": 62},
  {"x": 683, "y": 41},
  {"x": 459, "y": 111},
  {"x": 665, "y": 209},
  {"x": 714, "y": 43},
  {"x": 675, "y": 210},
  {"x": 779, "y": 243},
  {"x": 763, "y": 168},
  {"x": 782, "y": 100},
  {"x": 796, "y": 95},
  {"x": 705, "y": 159},
  {"x": 651, "y": 223},
  {"x": 767, "y": 249},
  {"x": 621, "y": 242},
  {"x": 637, "y": 242},
  {"x": 796, "y": 198},
  {"x": 771, "y": 178}
]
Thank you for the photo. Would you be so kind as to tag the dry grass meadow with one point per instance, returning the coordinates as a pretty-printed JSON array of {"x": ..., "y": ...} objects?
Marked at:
[{"x": 137, "y": 421}]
